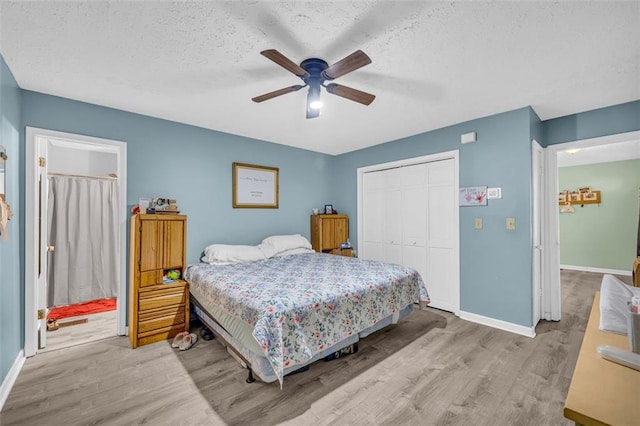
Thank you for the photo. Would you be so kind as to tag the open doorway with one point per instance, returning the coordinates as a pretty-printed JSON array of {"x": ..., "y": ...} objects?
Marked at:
[
  {"x": 75, "y": 265},
  {"x": 604, "y": 149}
]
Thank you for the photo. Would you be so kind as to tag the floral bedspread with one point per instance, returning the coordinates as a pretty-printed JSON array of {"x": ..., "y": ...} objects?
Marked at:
[{"x": 299, "y": 305}]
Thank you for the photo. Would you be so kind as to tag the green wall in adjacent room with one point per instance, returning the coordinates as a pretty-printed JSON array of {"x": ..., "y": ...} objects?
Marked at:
[{"x": 601, "y": 236}]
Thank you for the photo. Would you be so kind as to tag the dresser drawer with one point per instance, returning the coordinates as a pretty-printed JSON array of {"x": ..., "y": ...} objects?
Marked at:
[
  {"x": 158, "y": 318},
  {"x": 161, "y": 297}
]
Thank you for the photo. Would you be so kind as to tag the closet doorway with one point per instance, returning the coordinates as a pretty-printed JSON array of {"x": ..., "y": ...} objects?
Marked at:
[
  {"x": 75, "y": 270},
  {"x": 408, "y": 215}
]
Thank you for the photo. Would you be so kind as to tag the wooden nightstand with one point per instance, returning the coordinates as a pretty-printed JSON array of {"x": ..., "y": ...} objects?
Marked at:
[
  {"x": 328, "y": 231},
  {"x": 157, "y": 311}
]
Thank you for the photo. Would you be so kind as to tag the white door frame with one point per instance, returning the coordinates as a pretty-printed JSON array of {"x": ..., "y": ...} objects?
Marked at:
[
  {"x": 31, "y": 227},
  {"x": 537, "y": 227},
  {"x": 551, "y": 297},
  {"x": 448, "y": 155}
]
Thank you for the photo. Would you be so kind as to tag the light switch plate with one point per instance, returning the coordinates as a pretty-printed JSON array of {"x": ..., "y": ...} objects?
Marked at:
[
  {"x": 494, "y": 193},
  {"x": 511, "y": 223},
  {"x": 477, "y": 223}
]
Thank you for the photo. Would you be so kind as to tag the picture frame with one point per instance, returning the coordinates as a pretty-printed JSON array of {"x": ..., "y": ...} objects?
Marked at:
[
  {"x": 575, "y": 197},
  {"x": 562, "y": 197},
  {"x": 590, "y": 196},
  {"x": 328, "y": 209},
  {"x": 255, "y": 186},
  {"x": 473, "y": 196}
]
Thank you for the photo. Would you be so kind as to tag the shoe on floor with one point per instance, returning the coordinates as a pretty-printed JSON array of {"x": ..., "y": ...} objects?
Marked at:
[
  {"x": 52, "y": 324},
  {"x": 205, "y": 333},
  {"x": 188, "y": 341},
  {"x": 178, "y": 339}
]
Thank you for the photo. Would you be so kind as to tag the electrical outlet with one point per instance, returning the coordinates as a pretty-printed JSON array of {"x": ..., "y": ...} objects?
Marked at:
[
  {"x": 477, "y": 223},
  {"x": 511, "y": 223}
]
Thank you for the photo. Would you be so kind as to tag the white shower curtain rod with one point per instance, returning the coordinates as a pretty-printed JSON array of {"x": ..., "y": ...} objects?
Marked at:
[{"x": 83, "y": 176}]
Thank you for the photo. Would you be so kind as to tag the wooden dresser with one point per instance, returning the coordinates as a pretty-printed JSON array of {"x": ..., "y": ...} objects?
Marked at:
[
  {"x": 157, "y": 310},
  {"x": 328, "y": 231},
  {"x": 602, "y": 392}
]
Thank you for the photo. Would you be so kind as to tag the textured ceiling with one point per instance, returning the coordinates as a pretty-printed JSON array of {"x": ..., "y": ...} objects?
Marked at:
[{"x": 434, "y": 64}]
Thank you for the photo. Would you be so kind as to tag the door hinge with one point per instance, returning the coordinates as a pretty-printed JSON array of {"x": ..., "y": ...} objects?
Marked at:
[
  {"x": 40, "y": 314},
  {"x": 42, "y": 161}
]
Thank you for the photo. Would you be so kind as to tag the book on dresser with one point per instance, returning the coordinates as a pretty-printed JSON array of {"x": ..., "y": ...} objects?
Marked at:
[{"x": 159, "y": 296}]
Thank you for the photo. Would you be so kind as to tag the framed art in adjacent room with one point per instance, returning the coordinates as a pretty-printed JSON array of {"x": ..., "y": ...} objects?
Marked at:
[
  {"x": 328, "y": 209},
  {"x": 255, "y": 186}
]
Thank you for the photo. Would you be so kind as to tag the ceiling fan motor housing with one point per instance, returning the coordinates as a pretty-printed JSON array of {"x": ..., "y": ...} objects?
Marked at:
[{"x": 315, "y": 67}]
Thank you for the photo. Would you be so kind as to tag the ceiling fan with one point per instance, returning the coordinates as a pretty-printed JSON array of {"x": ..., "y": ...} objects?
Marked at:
[{"x": 314, "y": 72}]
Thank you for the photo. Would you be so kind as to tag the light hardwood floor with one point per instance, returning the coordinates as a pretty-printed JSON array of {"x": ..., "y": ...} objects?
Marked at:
[
  {"x": 430, "y": 369},
  {"x": 99, "y": 326}
]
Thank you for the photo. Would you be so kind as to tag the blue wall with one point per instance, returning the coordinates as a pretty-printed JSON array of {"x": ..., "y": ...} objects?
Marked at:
[
  {"x": 11, "y": 289},
  {"x": 193, "y": 165},
  {"x": 591, "y": 124},
  {"x": 495, "y": 264}
]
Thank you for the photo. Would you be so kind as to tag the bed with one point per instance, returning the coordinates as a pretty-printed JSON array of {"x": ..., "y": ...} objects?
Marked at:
[{"x": 284, "y": 310}]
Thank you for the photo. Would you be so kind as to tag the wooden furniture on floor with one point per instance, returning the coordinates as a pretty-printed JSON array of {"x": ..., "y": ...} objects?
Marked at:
[
  {"x": 157, "y": 311},
  {"x": 602, "y": 392},
  {"x": 344, "y": 252},
  {"x": 328, "y": 231}
]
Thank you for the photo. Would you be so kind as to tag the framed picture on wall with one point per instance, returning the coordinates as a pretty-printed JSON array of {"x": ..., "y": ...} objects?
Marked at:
[
  {"x": 575, "y": 197},
  {"x": 255, "y": 186},
  {"x": 562, "y": 197}
]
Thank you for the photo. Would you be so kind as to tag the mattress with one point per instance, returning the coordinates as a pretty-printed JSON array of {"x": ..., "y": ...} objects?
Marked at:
[{"x": 291, "y": 309}]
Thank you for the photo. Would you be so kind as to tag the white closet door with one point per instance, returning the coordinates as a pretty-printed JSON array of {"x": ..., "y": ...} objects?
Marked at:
[
  {"x": 414, "y": 218},
  {"x": 409, "y": 217},
  {"x": 372, "y": 204},
  {"x": 392, "y": 226},
  {"x": 441, "y": 275}
]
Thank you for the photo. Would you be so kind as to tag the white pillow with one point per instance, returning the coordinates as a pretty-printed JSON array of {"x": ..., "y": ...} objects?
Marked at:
[
  {"x": 225, "y": 254},
  {"x": 300, "y": 250},
  {"x": 276, "y": 244},
  {"x": 614, "y": 295}
]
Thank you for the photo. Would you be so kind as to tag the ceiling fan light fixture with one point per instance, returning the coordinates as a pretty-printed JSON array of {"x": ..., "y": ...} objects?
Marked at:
[{"x": 313, "y": 99}]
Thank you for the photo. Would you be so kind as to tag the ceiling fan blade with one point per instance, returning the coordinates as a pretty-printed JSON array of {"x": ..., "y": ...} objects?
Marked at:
[
  {"x": 284, "y": 62},
  {"x": 350, "y": 93},
  {"x": 352, "y": 62},
  {"x": 276, "y": 93}
]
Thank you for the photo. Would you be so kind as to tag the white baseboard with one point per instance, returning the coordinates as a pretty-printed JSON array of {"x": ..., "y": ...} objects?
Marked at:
[
  {"x": 499, "y": 324},
  {"x": 597, "y": 270},
  {"x": 12, "y": 375}
]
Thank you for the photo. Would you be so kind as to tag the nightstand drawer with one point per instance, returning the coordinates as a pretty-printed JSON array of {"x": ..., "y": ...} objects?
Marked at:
[
  {"x": 162, "y": 297},
  {"x": 159, "y": 318}
]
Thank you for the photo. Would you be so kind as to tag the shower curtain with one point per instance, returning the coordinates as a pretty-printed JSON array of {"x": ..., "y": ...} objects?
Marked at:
[{"x": 82, "y": 226}]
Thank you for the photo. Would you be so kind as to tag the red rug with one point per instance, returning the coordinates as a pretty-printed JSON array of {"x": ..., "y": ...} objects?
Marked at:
[{"x": 85, "y": 308}]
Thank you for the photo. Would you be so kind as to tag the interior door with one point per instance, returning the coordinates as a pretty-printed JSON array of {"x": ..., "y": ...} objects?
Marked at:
[
  {"x": 42, "y": 189},
  {"x": 441, "y": 279},
  {"x": 537, "y": 178},
  {"x": 372, "y": 202},
  {"x": 414, "y": 218}
]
